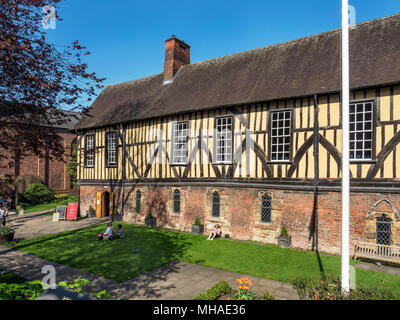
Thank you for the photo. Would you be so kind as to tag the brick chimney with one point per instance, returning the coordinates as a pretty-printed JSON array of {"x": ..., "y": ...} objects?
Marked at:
[{"x": 177, "y": 54}]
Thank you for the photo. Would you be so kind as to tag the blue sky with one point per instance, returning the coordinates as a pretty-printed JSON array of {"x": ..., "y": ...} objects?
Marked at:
[{"x": 126, "y": 37}]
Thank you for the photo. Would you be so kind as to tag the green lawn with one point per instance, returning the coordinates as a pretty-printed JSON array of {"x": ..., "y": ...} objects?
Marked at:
[
  {"x": 28, "y": 208},
  {"x": 115, "y": 260}
]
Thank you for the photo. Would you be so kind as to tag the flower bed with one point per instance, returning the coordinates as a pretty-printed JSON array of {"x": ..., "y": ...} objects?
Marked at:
[{"x": 222, "y": 291}]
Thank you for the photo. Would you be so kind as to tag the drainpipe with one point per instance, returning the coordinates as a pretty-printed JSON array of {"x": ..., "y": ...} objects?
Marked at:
[
  {"x": 123, "y": 171},
  {"x": 316, "y": 172}
]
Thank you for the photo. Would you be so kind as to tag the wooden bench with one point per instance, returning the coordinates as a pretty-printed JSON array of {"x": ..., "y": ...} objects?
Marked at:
[{"x": 378, "y": 252}]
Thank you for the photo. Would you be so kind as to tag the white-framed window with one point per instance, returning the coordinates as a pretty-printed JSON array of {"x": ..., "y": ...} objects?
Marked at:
[
  {"x": 89, "y": 150},
  {"x": 361, "y": 130},
  {"x": 179, "y": 142},
  {"x": 223, "y": 139},
  {"x": 281, "y": 124},
  {"x": 111, "y": 140}
]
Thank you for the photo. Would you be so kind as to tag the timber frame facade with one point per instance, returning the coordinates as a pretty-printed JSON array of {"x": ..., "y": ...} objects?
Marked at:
[{"x": 288, "y": 170}]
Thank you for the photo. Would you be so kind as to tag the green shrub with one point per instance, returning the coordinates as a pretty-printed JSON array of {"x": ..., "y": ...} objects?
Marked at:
[
  {"x": 22, "y": 182},
  {"x": 4, "y": 230},
  {"x": 76, "y": 286},
  {"x": 149, "y": 216},
  {"x": 197, "y": 222},
  {"x": 215, "y": 292},
  {"x": 284, "y": 232},
  {"x": 91, "y": 208},
  {"x": 38, "y": 193},
  {"x": 328, "y": 287},
  {"x": 25, "y": 291},
  {"x": 102, "y": 294}
]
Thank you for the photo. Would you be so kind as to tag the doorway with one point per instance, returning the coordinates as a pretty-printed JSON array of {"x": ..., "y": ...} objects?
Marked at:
[{"x": 106, "y": 204}]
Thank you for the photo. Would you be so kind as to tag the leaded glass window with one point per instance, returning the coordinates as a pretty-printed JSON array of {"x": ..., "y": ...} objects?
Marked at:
[
  {"x": 215, "y": 204},
  {"x": 138, "y": 199},
  {"x": 281, "y": 122},
  {"x": 266, "y": 208},
  {"x": 177, "y": 201},
  {"x": 361, "y": 131},
  {"x": 384, "y": 230},
  {"x": 223, "y": 140}
]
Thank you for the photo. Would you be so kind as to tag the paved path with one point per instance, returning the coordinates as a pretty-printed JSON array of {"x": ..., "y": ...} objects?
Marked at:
[
  {"x": 36, "y": 224},
  {"x": 174, "y": 281},
  {"x": 378, "y": 268}
]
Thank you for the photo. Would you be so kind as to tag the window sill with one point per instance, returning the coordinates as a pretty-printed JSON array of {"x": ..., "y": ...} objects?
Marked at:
[
  {"x": 280, "y": 162},
  {"x": 178, "y": 164},
  {"x": 352, "y": 161},
  {"x": 222, "y": 163}
]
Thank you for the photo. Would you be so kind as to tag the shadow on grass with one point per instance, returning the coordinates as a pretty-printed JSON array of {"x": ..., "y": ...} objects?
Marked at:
[{"x": 143, "y": 250}]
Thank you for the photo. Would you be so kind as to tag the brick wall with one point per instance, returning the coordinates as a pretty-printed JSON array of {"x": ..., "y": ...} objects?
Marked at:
[
  {"x": 240, "y": 213},
  {"x": 53, "y": 172}
]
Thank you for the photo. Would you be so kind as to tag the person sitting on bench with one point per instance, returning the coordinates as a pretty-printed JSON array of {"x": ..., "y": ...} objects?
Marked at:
[{"x": 216, "y": 233}]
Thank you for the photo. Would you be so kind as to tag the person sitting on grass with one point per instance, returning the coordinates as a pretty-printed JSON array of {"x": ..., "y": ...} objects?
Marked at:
[
  {"x": 120, "y": 232},
  {"x": 108, "y": 235},
  {"x": 216, "y": 233}
]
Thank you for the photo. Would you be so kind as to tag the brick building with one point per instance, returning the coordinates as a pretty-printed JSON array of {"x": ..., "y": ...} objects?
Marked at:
[
  {"x": 52, "y": 171},
  {"x": 252, "y": 141}
]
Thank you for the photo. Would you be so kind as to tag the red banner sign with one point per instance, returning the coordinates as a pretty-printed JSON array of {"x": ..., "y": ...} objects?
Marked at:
[{"x": 72, "y": 213}]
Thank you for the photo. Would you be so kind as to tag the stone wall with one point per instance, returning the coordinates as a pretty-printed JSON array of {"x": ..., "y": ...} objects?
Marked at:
[{"x": 240, "y": 213}]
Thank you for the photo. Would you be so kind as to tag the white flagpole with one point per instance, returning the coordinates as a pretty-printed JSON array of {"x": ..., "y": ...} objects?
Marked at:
[{"x": 345, "y": 149}]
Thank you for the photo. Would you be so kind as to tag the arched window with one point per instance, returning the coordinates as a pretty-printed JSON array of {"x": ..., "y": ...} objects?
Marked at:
[
  {"x": 383, "y": 230},
  {"x": 266, "y": 208},
  {"x": 138, "y": 198},
  {"x": 215, "y": 204},
  {"x": 177, "y": 201}
]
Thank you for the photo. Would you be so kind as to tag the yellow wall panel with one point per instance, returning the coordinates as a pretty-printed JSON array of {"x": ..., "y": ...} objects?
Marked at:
[
  {"x": 385, "y": 104},
  {"x": 396, "y": 103},
  {"x": 334, "y": 110},
  {"x": 323, "y": 111}
]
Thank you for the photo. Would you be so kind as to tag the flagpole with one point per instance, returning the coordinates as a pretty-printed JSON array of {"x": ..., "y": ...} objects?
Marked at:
[{"x": 345, "y": 149}]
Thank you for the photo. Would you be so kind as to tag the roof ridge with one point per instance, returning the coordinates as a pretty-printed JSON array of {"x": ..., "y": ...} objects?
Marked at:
[
  {"x": 134, "y": 80},
  {"x": 294, "y": 40}
]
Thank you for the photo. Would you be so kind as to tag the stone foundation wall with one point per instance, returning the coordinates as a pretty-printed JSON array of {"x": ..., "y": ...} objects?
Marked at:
[{"x": 240, "y": 213}]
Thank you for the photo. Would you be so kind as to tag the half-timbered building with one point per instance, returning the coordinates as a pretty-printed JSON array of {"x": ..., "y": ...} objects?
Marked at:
[{"x": 252, "y": 141}]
